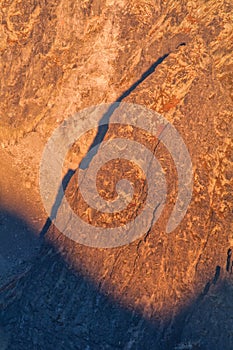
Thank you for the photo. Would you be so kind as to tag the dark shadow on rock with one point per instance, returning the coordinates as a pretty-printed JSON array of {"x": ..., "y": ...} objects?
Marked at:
[
  {"x": 229, "y": 253},
  {"x": 52, "y": 306},
  {"x": 217, "y": 274},
  {"x": 206, "y": 323},
  {"x": 18, "y": 241},
  {"x": 64, "y": 183},
  {"x": 102, "y": 130}
]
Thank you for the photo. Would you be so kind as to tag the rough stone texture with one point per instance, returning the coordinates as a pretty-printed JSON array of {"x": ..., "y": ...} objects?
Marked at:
[{"x": 162, "y": 291}]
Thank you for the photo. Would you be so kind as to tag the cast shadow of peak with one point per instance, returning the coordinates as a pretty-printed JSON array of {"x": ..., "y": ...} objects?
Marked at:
[
  {"x": 206, "y": 323},
  {"x": 54, "y": 306},
  {"x": 18, "y": 241}
]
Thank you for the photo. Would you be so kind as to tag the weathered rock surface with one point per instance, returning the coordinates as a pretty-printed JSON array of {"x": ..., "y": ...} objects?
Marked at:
[{"x": 164, "y": 291}]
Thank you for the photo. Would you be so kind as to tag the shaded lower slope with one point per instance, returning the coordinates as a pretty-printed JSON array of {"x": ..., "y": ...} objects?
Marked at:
[
  {"x": 56, "y": 308},
  {"x": 52, "y": 306}
]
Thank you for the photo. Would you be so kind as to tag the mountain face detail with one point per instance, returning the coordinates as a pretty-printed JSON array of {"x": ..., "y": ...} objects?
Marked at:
[{"x": 161, "y": 291}]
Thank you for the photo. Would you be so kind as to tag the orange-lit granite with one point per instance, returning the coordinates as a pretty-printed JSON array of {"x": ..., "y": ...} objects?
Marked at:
[{"x": 163, "y": 291}]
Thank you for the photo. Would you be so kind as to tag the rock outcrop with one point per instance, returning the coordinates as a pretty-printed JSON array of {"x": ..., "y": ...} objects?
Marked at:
[{"x": 163, "y": 291}]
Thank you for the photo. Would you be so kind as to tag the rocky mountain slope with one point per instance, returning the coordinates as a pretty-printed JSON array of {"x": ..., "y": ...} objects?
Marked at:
[{"x": 162, "y": 291}]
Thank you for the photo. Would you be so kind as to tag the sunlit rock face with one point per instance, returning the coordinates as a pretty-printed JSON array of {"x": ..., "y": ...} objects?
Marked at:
[{"x": 164, "y": 290}]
